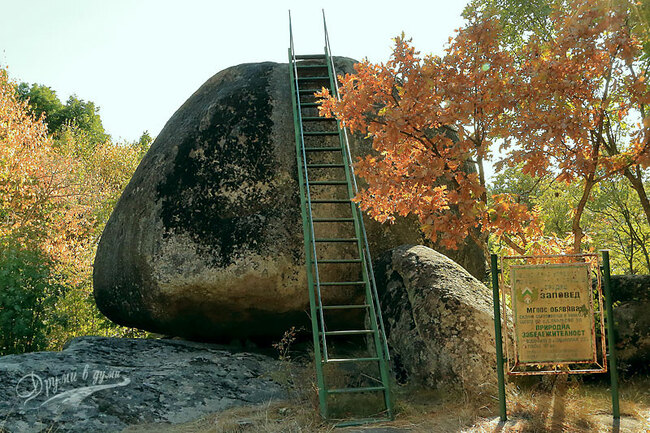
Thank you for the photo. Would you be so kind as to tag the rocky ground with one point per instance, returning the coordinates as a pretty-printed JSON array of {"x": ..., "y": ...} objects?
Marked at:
[
  {"x": 171, "y": 386},
  {"x": 578, "y": 408},
  {"x": 106, "y": 384}
]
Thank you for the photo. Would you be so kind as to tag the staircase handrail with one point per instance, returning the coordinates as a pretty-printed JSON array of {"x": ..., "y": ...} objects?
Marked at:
[{"x": 350, "y": 163}]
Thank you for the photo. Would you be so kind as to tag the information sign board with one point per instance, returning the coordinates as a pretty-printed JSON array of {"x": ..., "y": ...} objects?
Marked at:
[{"x": 553, "y": 313}]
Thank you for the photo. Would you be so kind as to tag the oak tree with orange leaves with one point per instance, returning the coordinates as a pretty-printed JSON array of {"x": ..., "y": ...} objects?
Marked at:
[
  {"x": 562, "y": 106},
  {"x": 582, "y": 95}
]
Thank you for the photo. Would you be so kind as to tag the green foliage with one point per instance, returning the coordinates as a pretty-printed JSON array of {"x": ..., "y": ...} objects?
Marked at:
[
  {"x": 75, "y": 113},
  {"x": 42, "y": 100},
  {"x": 521, "y": 18},
  {"x": 642, "y": 24},
  {"x": 59, "y": 184},
  {"x": 619, "y": 224},
  {"x": 80, "y": 317},
  {"x": 85, "y": 116},
  {"x": 144, "y": 142},
  {"x": 613, "y": 218},
  {"x": 29, "y": 293}
]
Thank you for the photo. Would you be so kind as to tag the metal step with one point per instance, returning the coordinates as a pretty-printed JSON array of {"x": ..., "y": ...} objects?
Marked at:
[
  {"x": 362, "y": 389},
  {"x": 317, "y": 118},
  {"x": 309, "y": 90},
  {"x": 333, "y": 220},
  {"x": 328, "y": 182},
  {"x": 344, "y": 360},
  {"x": 320, "y": 133},
  {"x": 299, "y": 66},
  {"x": 349, "y": 332},
  {"x": 336, "y": 239},
  {"x": 345, "y": 307},
  {"x": 325, "y": 166},
  {"x": 309, "y": 56},
  {"x": 339, "y": 261},
  {"x": 313, "y": 78},
  {"x": 331, "y": 200},
  {"x": 323, "y": 149},
  {"x": 343, "y": 283}
]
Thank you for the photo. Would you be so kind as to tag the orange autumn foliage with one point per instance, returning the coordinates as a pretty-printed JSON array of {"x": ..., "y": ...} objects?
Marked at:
[
  {"x": 25, "y": 149},
  {"x": 554, "y": 105},
  {"x": 51, "y": 191},
  {"x": 581, "y": 114},
  {"x": 432, "y": 121},
  {"x": 40, "y": 185}
]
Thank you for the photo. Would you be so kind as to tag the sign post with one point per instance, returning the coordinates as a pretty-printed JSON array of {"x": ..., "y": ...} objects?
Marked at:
[
  {"x": 497, "y": 337},
  {"x": 553, "y": 315},
  {"x": 613, "y": 372}
]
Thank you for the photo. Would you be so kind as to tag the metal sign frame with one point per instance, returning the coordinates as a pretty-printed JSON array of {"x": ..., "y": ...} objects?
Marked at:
[
  {"x": 598, "y": 363},
  {"x": 602, "y": 272}
]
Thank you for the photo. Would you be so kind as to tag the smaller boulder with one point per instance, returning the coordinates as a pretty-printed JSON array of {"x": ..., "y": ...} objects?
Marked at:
[
  {"x": 631, "y": 295},
  {"x": 439, "y": 320}
]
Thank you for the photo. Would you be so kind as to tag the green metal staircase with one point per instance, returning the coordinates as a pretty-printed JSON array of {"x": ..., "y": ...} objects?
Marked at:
[{"x": 340, "y": 278}]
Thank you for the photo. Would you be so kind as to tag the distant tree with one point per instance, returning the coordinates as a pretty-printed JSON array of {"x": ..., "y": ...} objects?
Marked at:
[
  {"x": 85, "y": 116},
  {"x": 76, "y": 112},
  {"x": 613, "y": 217},
  {"x": 144, "y": 142},
  {"x": 43, "y": 101},
  {"x": 618, "y": 223},
  {"x": 56, "y": 193}
]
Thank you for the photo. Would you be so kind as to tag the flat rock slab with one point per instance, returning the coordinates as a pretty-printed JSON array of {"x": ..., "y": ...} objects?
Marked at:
[{"x": 106, "y": 384}]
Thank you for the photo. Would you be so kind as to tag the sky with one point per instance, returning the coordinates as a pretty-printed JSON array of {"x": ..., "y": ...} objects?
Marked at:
[{"x": 139, "y": 60}]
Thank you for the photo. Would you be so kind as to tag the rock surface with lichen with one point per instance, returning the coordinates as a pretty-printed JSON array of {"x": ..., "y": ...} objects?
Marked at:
[
  {"x": 206, "y": 241},
  {"x": 99, "y": 384},
  {"x": 438, "y": 318},
  {"x": 631, "y": 297}
]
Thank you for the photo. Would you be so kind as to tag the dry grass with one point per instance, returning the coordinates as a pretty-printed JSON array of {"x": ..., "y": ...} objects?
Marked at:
[
  {"x": 267, "y": 418},
  {"x": 534, "y": 406},
  {"x": 571, "y": 407}
]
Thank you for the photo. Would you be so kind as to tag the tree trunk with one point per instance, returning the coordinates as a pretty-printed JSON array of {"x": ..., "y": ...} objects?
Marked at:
[
  {"x": 637, "y": 184},
  {"x": 578, "y": 234}
]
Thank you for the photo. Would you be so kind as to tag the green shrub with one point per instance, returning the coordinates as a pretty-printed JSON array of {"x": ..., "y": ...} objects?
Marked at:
[{"x": 28, "y": 292}]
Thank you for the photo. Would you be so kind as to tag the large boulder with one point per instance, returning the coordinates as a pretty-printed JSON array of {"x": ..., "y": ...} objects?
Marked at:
[
  {"x": 631, "y": 294},
  {"x": 439, "y": 320},
  {"x": 206, "y": 241},
  {"x": 106, "y": 384}
]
